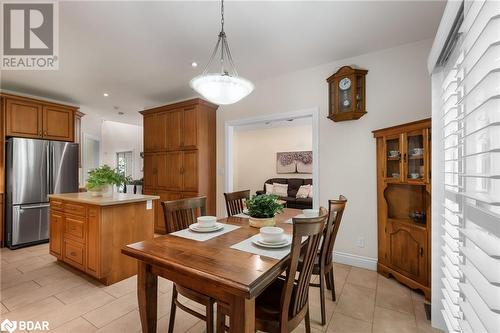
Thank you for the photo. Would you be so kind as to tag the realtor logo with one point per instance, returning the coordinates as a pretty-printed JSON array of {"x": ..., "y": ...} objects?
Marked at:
[{"x": 30, "y": 36}]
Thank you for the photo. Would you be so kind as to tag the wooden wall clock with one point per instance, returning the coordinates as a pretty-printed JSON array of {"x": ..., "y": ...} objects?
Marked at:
[{"x": 347, "y": 94}]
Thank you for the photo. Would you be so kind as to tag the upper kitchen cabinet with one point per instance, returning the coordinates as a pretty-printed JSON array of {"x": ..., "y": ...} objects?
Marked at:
[{"x": 31, "y": 118}]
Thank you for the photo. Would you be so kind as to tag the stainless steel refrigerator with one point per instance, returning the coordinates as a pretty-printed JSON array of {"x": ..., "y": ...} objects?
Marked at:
[{"x": 34, "y": 169}]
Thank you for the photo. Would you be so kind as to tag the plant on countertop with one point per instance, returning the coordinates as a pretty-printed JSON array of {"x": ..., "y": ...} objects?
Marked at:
[
  {"x": 264, "y": 206},
  {"x": 104, "y": 175}
]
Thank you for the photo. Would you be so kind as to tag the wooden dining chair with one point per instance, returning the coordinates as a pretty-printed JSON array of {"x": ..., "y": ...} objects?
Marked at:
[
  {"x": 179, "y": 214},
  {"x": 323, "y": 264},
  {"x": 285, "y": 302},
  {"x": 235, "y": 201}
]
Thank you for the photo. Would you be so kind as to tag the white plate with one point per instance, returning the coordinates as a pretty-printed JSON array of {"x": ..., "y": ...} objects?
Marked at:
[
  {"x": 196, "y": 228},
  {"x": 259, "y": 242}
]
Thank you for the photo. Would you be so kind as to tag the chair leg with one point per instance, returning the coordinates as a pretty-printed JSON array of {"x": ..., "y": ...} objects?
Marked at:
[
  {"x": 332, "y": 282},
  {"x": 210, "y": 317},
  {"x": 308, "y": 321},
  {"x": 322, "y": 298},
  {"x": 173, "y": 307}
]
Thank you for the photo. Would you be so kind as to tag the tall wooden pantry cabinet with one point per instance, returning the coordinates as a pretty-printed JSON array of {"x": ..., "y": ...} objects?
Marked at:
[
  {"x": 180, "y": 153},
  {"x": 404, "y": 203}
]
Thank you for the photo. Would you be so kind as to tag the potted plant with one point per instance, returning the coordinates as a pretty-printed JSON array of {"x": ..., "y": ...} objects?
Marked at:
[
  {"x": 262, "y": 209},
  {"x": 102, "y": 179}
]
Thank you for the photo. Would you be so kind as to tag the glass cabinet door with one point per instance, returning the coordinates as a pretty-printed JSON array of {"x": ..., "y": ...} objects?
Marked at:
[
  {"x": 393, "y": 165},
  {"x": 415, "y": 156}
]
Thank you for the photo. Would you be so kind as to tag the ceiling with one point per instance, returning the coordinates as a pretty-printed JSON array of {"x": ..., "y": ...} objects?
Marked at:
[{"x": 141, "y": 52}]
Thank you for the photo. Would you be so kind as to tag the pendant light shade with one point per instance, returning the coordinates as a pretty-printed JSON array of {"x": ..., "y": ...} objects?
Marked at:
[
  {"x": 222, "y": 89},
  {"x": 225, "y": 87}
]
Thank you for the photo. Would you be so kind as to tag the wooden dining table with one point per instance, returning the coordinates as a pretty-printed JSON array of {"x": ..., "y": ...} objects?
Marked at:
[{"x": 232, "y": 277}]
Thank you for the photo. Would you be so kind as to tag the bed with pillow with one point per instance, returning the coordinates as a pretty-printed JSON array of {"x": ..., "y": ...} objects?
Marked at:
[{"x": 297, "y": 192}]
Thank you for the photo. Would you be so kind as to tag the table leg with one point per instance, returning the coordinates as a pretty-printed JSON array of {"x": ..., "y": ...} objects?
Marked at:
[
  {"x": 147, "y": 291},
  {"x": 242, "y": 318}
]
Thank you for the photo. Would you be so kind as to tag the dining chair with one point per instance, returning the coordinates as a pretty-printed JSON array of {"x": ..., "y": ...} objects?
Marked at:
[
  {"x": 323, "y": 264},
  {"x": 179, "y": 214},
  {"x": 235, "y": 202},
  {"x": 283, "y": 305}
]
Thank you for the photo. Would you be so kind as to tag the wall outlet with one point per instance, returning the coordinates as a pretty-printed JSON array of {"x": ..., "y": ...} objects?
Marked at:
[{"x": 360, "y": 242}]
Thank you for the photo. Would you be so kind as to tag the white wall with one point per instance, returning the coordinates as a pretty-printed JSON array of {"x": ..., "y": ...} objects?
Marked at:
[
  {"x": 119, "y": 137},
  {"x": 398, "y": 91},
  {"x": 262, "y": 144}
]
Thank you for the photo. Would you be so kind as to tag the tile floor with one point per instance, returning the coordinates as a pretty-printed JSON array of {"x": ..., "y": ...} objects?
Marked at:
[{"x": 34, "y": 286}]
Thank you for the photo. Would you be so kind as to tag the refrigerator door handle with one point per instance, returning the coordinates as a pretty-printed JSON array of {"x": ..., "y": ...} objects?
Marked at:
[
  {"x": 48, "y": 171},
  {"x": 34, "y": 207}
]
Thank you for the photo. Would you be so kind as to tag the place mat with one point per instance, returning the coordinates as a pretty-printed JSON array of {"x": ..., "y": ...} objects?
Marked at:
[
  {"x": 204, "y": 236},
  {"x": 242, "y": 215},
  {"x": 300, "y": 216},
  {"x": 248, "y": 246}
]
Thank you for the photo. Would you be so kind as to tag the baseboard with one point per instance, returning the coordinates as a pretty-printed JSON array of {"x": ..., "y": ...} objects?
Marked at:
[{"x": 355, "y": 260}]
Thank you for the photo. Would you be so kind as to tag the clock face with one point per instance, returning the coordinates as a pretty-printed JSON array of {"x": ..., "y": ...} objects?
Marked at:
[
  {"x": 346, "y": 103},
  {"x": 345, "y": 83}
]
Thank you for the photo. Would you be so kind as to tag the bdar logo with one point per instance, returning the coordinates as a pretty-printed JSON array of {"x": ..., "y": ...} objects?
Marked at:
[{"x": 9, "y": 326}]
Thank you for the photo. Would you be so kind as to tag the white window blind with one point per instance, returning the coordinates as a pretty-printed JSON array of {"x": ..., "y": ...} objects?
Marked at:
[{"x": 469, "y": 160}]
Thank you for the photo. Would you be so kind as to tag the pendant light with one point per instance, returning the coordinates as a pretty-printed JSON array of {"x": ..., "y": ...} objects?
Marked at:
[{"x": 225, "y": 87}]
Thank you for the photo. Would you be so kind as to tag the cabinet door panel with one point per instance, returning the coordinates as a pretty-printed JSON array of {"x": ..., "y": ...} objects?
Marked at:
[
  {"x": 58, "y": 123},
  {"x": 169, "y": 171},
  {"x": 408, "y": 251},
  {"x": 24, "y": 119},
  {"x": 150, "y": 134},
  {"x": 74, "y": 254},
  {"x": 173, "y": 129},
  {"x": 189, "y": 129},
  {"x": 74, "y": 228},
  {"x": 190, "y": 171},
  {"x": 93, "y": 246},
  {"x": 149, "y": 171},
  {"x": 159, "y": 219},
  {"x": 56, "y": 223}
]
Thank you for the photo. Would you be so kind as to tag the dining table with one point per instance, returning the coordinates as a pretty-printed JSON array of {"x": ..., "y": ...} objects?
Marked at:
[{"x": 232, "y": 277}]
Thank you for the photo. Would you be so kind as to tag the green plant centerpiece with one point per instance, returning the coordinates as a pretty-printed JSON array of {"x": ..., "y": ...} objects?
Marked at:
[
  {"x": 262, "y": 209},
  {"x": 101, "y": 180}
]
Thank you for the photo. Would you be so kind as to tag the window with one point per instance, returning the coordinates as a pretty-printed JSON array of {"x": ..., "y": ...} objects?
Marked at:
[
  {"x": 124, "y": 164},
  {"x": 467, "y": 201}
]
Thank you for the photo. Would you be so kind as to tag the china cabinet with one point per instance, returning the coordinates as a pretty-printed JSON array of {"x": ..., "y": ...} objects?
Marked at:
[{"x": 404, "y": 203}]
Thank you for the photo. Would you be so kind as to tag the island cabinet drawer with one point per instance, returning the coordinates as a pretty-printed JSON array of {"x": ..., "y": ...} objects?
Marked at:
[
  {"x": 56, "y": 205},
  {"x": 74, "y": 228},
  {"x": 73, "y": 208},
  {"x": 74, "y": 254}
]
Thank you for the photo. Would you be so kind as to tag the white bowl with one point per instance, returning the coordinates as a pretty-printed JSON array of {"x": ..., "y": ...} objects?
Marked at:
[
  {"x": 206, "y": 221},
  {"x": 310, "y": 212},
  {"x": 414, "y": 175},
  {"x": 272, "y": 234}
]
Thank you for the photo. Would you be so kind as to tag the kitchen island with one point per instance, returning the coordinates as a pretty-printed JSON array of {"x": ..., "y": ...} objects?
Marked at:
[{"x": 88, "y": 232}]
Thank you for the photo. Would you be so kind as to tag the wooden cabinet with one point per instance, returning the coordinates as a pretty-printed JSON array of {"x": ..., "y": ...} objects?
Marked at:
[
  {"x": 32, "y": 118},
  {"x": 179, "y": 159},
  {"x": 404, "y": 203},
  {"x": 89, "y": 237}
]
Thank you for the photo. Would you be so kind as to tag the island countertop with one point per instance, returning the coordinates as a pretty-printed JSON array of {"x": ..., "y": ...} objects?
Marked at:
[{"x": 116, "y": 199}]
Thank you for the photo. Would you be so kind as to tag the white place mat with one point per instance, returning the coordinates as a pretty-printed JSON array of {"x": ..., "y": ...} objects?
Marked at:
[
  {"x": 203, "y": 236},
  {"x": 248, "y": 246},
  {"x": 242, "y": 215},
  {"x": 300, "y": 216}
]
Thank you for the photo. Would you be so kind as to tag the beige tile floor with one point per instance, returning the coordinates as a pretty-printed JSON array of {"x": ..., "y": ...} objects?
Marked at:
[{"x": 34, "y": 286}]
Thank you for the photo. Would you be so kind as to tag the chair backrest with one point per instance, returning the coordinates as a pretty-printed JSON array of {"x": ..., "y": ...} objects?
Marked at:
[
  {"x": 296, "y": 293},
  {"x": 335, "y": 212},
  {"x": 235, "y": 201},
  {"x": 179, "y": 214}
]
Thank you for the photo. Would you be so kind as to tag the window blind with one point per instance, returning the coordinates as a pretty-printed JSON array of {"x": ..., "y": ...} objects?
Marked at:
[{"x": 469, "y": 162}]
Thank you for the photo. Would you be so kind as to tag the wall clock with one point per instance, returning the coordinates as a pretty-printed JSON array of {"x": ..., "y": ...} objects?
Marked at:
[{"x": 347, "y": 97}]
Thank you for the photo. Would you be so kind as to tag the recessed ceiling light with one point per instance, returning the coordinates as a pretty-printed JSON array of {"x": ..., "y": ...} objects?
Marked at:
[
  {"x": 106, "y": 94},
  {"x": 194, "y": 64},
  {"x": 121, "y": 113}
]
